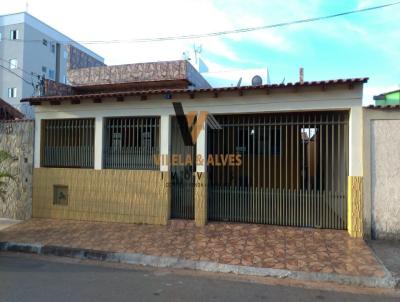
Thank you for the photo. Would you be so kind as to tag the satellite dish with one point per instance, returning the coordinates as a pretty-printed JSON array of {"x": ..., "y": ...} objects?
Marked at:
[{"x": 256, "y": 81}]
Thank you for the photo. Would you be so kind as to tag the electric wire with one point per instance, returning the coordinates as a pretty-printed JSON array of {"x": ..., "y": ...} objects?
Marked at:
[{"x": 226, "y": 32}]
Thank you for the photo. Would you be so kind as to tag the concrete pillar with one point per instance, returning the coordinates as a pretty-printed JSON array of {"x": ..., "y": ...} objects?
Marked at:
[
  {"x": 165, "y": 150},
  {"x": 98, "y": 143},
  {"x": 201, "y": 182},
  {"x": 356, "y": 142},
  {"x": 201, "y": 150},
  {"x": 165, "y": 141},
  {"x": 355, "y": 181}
]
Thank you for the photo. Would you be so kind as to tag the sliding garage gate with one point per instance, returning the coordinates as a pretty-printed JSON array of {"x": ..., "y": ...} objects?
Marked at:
[{"x": 292, "y": 170}]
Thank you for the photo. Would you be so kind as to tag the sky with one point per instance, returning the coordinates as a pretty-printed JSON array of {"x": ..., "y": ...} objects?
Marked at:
[{"x": 361, "y": 45}]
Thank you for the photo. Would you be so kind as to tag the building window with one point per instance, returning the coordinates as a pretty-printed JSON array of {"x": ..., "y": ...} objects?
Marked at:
[
  {"x": 1, "y": 37},
  {"x": 14, "y": 34},
  {"x": 53, "y": 48},
  {"x": 68, "y": 143},
  {"x": 65, "y": 55},
  {"x": 13, "y": 63},
  {"x": 44, "y": 42},
  {"x": 12, "y": 92},
  {"x": 44, "y": 69},
  {"x": 132, "y": 143},
  {"x": 52, "y": 74}
]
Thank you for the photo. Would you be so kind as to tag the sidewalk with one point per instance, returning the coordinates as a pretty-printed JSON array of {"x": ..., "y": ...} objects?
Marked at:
[
  {"x": 388, "y": 251},
  {"x": 312, "y": 254},
  {"x": 6, "y": 222}
]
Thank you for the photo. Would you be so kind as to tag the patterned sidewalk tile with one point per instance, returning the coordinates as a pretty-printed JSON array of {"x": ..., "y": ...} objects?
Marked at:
[{"x": 297, "y": 249}]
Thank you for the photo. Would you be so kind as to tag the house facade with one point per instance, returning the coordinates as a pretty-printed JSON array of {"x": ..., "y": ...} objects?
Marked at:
[
  {"x": 127, "y": 151},
  {"x": 388, "y": 98},
  {"x": 30, "y": 48}
]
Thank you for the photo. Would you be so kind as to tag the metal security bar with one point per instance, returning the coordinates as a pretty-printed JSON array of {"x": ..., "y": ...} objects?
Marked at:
[
  {"x": 132, "y": 143},
  {"x": 182, "y": 178},
  {"x": 68, "y": 143},
  {"x": 293, "y": 172}
]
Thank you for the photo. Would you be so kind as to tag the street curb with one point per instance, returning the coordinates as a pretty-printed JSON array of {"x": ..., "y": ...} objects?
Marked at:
[{"x": 388, "y": 281}]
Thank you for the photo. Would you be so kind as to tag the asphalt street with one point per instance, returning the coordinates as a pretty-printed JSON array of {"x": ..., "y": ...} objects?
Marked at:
[{"x": 34, "y": 278}]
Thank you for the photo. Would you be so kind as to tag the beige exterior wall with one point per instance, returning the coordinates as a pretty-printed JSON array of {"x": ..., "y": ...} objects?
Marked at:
[
  {"x": 382, "y": 173},
  {"x": 106, "y": 195},
  {"x": 337, "y": 97}
]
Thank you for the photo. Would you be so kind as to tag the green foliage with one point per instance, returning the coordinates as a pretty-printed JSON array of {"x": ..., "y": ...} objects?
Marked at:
[{"x": 5, "y": 175}]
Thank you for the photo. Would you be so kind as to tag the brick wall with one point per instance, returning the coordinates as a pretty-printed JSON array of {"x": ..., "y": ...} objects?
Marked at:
[
  {"x": 52, "y": 88},
  {"x": 139, "y": 72},
  {"x": 79, "y": 59}
]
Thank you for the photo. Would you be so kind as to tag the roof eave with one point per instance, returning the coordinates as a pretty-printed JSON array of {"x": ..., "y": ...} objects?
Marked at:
[{"x": 351, "y": 82}]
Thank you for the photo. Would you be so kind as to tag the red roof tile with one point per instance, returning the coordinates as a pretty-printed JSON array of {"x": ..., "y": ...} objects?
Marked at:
[
  {"x": 383, "y": 106},
  {"x": 9, "y": 112},
  {"x": 191, "y": 91}
]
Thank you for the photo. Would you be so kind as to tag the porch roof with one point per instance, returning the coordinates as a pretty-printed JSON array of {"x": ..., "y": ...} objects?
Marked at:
[
  {"x": 397, "y": 106},
  {"x": 75, "y": 98},
  {"x": 7, "y": 111}
]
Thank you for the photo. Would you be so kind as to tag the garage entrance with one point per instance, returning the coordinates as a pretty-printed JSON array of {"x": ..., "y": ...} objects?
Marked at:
[{"x": 293, "y": 170}]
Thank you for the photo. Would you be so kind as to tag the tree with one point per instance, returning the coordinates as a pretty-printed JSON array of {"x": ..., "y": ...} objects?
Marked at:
[{"x": 5, "y": 175}]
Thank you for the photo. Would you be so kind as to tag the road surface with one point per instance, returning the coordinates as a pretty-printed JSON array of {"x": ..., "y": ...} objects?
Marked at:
[{"x": 35, "y": 278}]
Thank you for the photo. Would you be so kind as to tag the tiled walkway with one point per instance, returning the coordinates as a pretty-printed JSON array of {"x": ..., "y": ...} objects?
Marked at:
[{"x": 297, "y": 249}]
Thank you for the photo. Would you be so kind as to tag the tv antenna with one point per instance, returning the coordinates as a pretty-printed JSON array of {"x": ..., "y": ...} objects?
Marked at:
[
  {"x": 197, "y": 49},
  {"x": 239, "y": 82}
]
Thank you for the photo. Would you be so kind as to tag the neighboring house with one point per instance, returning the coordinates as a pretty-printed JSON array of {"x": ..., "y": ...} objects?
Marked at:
[
  {"x": 112, "y": 148},
  {"x": 8, "y": 112},
  {"x": 388, "y": 98},
  {"x": 29, "y": 48}
]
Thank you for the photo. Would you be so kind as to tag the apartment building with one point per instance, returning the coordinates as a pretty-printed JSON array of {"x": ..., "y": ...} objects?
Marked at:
[{"x": 30, "y": 49}]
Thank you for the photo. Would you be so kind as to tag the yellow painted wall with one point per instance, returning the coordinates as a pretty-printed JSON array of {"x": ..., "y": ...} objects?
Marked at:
[
  {"x": 355, "y": 207},
  {"x": 127, "y": 196},
  {"x": 200, "y": 199}
]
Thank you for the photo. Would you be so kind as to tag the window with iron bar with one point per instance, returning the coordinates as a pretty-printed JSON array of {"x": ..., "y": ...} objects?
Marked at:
[
  {"x": 131, "y": 143},
  {"x": 68, "y": 143}
]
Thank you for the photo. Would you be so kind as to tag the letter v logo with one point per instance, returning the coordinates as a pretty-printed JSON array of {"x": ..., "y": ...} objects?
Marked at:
[{"x": 190, "y": 125}]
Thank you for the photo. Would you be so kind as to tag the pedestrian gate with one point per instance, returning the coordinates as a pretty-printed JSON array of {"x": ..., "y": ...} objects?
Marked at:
[
  {"x": 293, "y": 169},
  {"x": 182, "y": 178}
]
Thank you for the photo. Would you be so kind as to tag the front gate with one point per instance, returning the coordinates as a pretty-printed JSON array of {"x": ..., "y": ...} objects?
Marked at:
[
  {"x": 293, "y": 169},
  {"x": 182, "y": 176}
]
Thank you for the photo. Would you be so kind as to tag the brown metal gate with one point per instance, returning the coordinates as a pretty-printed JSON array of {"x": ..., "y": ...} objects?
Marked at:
[
  {"x": 182, "y": 178},
  {"x": 293, "y": 169}
]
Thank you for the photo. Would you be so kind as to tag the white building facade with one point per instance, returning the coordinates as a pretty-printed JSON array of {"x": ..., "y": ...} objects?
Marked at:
[{"x": 30, "y": 49}]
